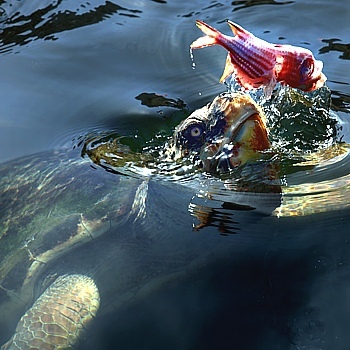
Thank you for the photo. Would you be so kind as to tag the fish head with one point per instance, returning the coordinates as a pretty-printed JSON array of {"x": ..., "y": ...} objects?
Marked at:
[
  {"x": 299, "y": 69},
  {"x": 311, "y": 76},
  {"x": 223, "y": 135}
]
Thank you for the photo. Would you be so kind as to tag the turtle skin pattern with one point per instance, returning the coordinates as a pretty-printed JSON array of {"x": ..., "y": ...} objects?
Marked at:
[{"x": 59, "y": 316}]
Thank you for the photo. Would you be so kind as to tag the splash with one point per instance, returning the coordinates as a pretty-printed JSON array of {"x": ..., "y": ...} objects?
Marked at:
[
  {"x": 121, "y": 155},
  {"x": 299, "y": 122}
]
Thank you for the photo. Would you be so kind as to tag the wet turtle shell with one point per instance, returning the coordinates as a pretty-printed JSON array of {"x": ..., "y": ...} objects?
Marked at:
[{"x": 51, "y": 205}]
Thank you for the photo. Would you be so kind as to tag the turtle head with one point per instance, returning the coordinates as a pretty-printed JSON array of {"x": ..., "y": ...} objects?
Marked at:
[{"x": 223, "y": 135}]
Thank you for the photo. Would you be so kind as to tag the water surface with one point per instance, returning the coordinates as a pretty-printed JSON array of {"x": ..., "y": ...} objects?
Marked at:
[{"x": 71, "y": 69}]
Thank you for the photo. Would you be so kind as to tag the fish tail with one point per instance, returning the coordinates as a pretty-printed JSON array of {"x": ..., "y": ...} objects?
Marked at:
[
  {"x": 237, "y": 29},
  {"x": 212, "y": 36}
]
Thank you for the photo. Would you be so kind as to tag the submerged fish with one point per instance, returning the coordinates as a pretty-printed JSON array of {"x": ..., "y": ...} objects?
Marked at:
[{"x": 256, "y": 63}]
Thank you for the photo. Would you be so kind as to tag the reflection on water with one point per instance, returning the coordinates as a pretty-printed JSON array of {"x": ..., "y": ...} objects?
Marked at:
[
  {"x": 155, "y": 100},
  {"x": 241, "y": 4},
  {"x": 19, "y": 29},
  {"x": 336, "y": 45},
  {"x": 118, "y": 74},
  {"x": 340, "y": 102}
]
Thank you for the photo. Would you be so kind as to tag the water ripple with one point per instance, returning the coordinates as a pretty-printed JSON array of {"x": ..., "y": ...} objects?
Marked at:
[
  {"x": 242, "y": 4},
  {"x": 44, "y": 23},
  {"x": 336, "y": 45}
]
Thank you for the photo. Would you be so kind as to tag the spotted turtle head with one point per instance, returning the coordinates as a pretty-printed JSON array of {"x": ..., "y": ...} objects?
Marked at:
[{"x": 222, "y": 135}]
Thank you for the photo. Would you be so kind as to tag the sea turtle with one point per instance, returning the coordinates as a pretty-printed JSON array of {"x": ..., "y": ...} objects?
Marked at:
[
  {"x": 72, "y": 236},
  {"x": 290, "y": 133}
]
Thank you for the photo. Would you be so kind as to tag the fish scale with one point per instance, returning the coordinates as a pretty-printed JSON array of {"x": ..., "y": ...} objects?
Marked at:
[
  {"x": 263, "y": 56},
  {"x": 254, "y": 66}
]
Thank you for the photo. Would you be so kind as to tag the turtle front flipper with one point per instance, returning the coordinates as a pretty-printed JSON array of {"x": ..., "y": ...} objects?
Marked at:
[{"x": 59, "y": 317}]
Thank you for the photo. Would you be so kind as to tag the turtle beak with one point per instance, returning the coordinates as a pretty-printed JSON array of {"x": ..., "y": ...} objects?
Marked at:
[{"x": 244, "y": 135}]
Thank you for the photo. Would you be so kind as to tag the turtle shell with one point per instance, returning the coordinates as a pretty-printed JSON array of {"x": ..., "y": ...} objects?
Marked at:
[{"x": 52, "y": 204}]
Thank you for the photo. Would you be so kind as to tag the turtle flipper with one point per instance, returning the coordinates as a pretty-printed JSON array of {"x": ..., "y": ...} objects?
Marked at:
[{"x": 59, "y": 317}]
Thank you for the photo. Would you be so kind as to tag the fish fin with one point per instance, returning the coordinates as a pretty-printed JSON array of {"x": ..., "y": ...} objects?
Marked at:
[
  {"x": 211, "y": 36},
  {"x": 203, "y": 41},
  {"x": 207, "y": 29},
  {"x": 237, "y": 29},
  {"x": 228, "y": 70}
]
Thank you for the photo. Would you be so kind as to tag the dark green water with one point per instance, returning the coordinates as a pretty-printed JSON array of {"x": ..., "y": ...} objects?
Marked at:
[{"x": 70, "y": 68}]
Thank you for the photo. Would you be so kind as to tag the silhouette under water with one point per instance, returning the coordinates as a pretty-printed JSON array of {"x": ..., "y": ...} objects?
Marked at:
[{"x": 229, "y": 264}]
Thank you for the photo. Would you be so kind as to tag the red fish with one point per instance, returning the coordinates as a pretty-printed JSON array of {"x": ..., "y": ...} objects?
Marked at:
[{"x": 256, "y": 63}]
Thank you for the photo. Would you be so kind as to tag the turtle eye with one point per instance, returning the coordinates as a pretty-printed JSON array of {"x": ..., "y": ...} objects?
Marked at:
[
  {"x": 196, "y": 131},
  {"x": 193, "y": 136}
]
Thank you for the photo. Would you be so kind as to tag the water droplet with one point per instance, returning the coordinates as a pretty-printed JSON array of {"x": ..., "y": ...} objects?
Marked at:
[{"x": 192, "y": 59}]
